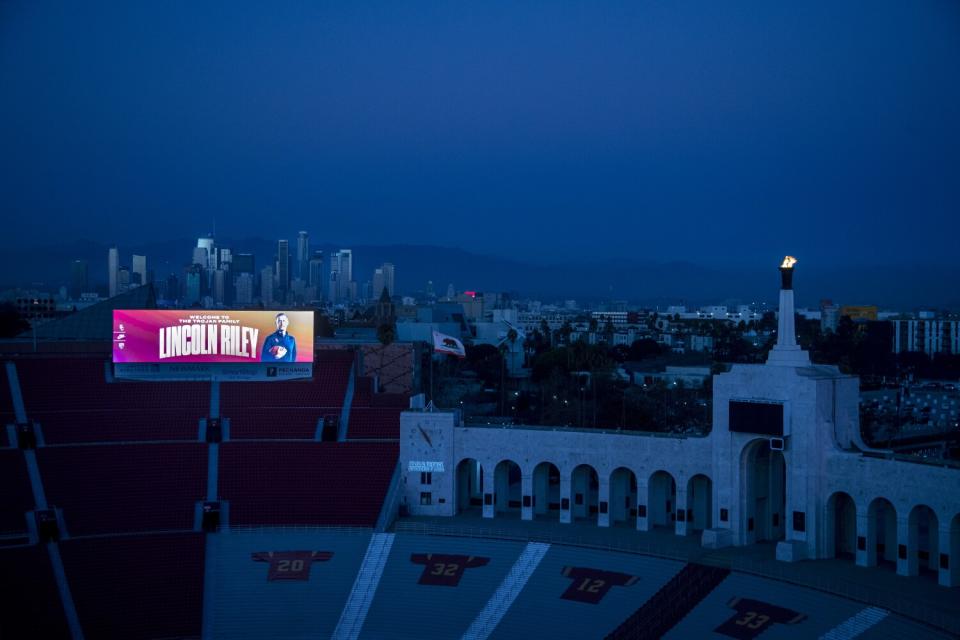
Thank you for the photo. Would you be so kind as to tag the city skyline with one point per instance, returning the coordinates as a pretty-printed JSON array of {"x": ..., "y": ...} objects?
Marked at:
[{"x": 644, "y": 282}]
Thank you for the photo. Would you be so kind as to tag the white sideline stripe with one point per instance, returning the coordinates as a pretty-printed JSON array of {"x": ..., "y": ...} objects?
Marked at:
[
  {"x": 853, "y": 627},
  {"x": 63, "y": 586},
  {"x": 501, "y": 601},
  {"x": 354, "y": 613},
  {"x": 19, "y": 410}
]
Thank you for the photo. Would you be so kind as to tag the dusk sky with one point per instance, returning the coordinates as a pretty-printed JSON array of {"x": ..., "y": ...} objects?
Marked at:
[{"x": 700, "y": 131}]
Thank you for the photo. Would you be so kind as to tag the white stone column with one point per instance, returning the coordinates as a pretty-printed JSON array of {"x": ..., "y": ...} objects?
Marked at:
[
  {"x": 681, "y": 526},
  {"x": 526, "y": 491},
  {"x": 603, "y": 495},
  {"x": 787, "y": 352},
  {"x": 565, "y": 493},
  {"x": 867, "y": 531},
  {"x": 909, "y": 566},
  {"x": 949, "y": 577},
  {"x": 643, "y": 497},
  {"x": 489, "y": 489},
  {"x": 786, "y": 329},
  {"x": 541, "y": 488}
]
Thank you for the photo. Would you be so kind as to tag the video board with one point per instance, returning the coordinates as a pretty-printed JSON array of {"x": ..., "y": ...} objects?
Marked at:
[
  {"x": 158, "y": 336},
  {"x": 764, "y": 418}
]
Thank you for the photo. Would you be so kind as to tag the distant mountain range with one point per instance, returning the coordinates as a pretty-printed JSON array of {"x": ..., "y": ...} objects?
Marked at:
[{"x": 641, "y": 282}]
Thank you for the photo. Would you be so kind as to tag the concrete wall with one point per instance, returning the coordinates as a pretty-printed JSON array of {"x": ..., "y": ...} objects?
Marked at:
[{"x": 749, "y": 491}]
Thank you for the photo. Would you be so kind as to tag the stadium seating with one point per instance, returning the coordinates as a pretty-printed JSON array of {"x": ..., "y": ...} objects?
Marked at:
[
  {"x": 397, "y": 400},
  {"x": 292, "y": 409},
  {"x": 6, "y": 400},
  {"x": 30, "y": 605},
  {"x": 374, "y": 422},
  {"x": 142, "y": 586},
  {"x": 74, "y": 403},
  {"x": 17, "y": 496},
  {"x": 277, "y": 422},
  {"x": 541, "y": 609},
  {"x": 243, "y": 602},
  {"x": 363, "y": 392},
  {"x": 405, "y": 608},
  {"x": 125, "y": 488},
  {"x": 331, "y": 373},
  {"x": 118, "y": 425},
  {"x": 79, "y": 384},
  {"x": 295, "y": 483}
]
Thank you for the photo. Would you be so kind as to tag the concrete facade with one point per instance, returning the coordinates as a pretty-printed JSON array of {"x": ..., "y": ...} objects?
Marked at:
[{"x": 804, "y": 480}]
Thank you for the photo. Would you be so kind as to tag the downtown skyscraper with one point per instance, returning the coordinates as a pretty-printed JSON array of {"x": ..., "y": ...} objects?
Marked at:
[
  {"x": 341, "y": 276},
  {"x": 303, "y": 257},
  {"x": 113, "y": 270},
  {"x": 283, "y": 269}
]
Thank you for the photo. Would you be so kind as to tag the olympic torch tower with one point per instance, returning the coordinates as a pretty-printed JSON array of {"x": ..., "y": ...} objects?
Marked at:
[{"x": 787, "y": 352}]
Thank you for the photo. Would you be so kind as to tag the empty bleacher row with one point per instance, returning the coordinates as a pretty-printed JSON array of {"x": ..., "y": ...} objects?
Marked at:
[
  {"x": 278, "y": 422},
  {"x": 374, "y": 422},
  {"x": 30, "y": 605},
  {"x": 17, "y": 496},
  {"x": 6, "y": 400},
  {"x": 122, "y": 488},
  {"x": 281, "y": 582},
  {"x": 137, "y": 586},
  {"x": 81, "y": 384},
  {"x": 118, "y": 488},
  {"x": 292, "y": 409},
  {"x": 73, "y": 402},
  {"x": 375, "y": 415},
  {"x": 278, "y": 483}
]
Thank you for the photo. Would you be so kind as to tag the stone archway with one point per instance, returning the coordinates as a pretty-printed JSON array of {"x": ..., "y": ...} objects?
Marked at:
[
  {"x": 661, "y": 500},
  {"x": 840, "y": 527},
  {"x": 546, "y": 491},
  {"x": 923, "y": 539},
  {"x": 623, "y": 498},
  {"x": 699, "y": 503},
  {"x": 469, "y": 486},
  {"x": 882, "y": 531},
  {"x": 585, "y": 493},
  {"x": 507, "y": 487},
  {"x": 764, "y": 492}
]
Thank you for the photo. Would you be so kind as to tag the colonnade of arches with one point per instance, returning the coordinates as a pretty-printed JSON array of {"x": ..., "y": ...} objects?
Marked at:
[
  {"x": 912, "y": 539},
  {"x": 618, "y": 499}
]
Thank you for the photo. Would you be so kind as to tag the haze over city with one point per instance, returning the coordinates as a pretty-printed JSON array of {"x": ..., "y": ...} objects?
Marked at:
[{"x": 544, "y": 133}]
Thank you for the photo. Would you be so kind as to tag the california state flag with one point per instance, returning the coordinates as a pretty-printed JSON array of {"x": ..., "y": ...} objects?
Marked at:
[{"x": 442, "y": 343}]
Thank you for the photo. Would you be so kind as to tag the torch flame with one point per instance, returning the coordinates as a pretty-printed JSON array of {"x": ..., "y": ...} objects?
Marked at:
[{"x": 788, "y": 262}]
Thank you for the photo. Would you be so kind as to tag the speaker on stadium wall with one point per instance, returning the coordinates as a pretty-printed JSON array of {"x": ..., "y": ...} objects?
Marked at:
[
  {"x": 26, "y": 436},
  {"x": 777, "y": 444},
  {"x": 214, "y": 430},
  {"x": 211, "y": 517},
  {"x": 47, "y": 527}
]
